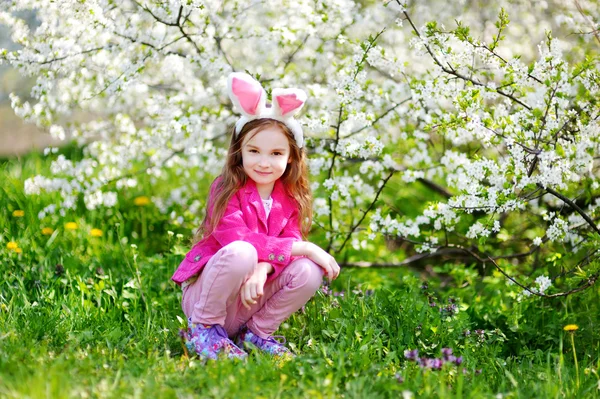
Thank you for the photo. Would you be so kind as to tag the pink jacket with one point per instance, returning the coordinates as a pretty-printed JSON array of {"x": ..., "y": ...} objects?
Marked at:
[{"x": 245, "y": 219}]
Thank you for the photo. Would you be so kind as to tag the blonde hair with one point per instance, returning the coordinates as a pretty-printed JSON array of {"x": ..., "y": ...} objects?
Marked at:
[{"x": 233, "y": 177}]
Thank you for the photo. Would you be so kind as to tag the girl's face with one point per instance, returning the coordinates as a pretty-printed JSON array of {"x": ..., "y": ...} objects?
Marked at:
[{"x": 265, "y": 156}]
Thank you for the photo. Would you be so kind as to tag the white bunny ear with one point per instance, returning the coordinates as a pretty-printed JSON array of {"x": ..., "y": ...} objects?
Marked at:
[
  {"x": 288, "y": 102},
  {"x": 246, "y": 94}
]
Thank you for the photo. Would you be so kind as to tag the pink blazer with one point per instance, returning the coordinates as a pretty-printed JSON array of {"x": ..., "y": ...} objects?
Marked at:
[{"x": 245, "y": 219}]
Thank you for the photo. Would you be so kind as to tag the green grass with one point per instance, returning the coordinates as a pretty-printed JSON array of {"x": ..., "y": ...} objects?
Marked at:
[{"x": 84, "y": 316}]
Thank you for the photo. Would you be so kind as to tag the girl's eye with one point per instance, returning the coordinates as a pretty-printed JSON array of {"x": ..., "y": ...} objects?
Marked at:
[
  {"x": 276, "y": 153},
  {"x": 253, "y": 151}
]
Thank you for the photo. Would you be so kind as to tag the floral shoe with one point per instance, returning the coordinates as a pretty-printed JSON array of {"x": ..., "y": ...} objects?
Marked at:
[
  {"x": 246, "y": 338},
  {"x": 209, "y": 341}
]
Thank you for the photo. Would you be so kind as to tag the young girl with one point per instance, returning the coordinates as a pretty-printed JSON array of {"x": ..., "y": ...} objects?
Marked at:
[{"x": 250, "y": 269}]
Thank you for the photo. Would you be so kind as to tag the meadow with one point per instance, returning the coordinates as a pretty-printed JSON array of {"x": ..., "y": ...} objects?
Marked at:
[{"x": 87, "y": 309}]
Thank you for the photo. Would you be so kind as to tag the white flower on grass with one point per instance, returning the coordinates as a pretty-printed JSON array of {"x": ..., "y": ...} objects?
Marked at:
[
  {"x": 321, "y": 207},
  {"x": 544, "y": 283},
  {"x": 57, "y": 132},
  {"x": 537, "y": 241},
  {"x": 496, "y": 227},
  {"x": 477, "y": 230},
  {"x": 557, "y": 229}
]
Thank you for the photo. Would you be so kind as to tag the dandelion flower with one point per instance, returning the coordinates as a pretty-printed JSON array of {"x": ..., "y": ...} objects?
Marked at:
[
  {"x": 18, "y": 213},
  {"x": 571, "y": 327},
  {"x": 18, "y": 250},
  {"x": 96, "y": 233},
  {"x": 12, "y": 245},
  {"x": 47, "y": 231},
  {"x": 71, "y": 226},
  {"x": 141, "y": 201}
]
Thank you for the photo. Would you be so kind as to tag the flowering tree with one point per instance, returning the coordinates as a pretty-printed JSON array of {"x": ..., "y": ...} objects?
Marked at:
[{"x": 500, "y": 127}]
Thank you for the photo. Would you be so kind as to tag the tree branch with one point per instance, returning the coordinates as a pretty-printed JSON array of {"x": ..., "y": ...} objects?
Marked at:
[
  {"x": 365, "y": 213},
  {"x": 572, "y": 205},
  {"x": 176, "y": 24},
  {"x": 407, "y": 261},
  {"x": 435, "y": 187},
  {"x": 378, "y": 118},
  {"x": 330, "y": 173},
  {"x": 451, "y": 71},
  {"x": 590, "y": 281}
]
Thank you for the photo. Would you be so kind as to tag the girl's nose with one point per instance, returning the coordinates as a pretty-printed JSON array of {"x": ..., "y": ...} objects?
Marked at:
[{"x": 264, "y": 162}]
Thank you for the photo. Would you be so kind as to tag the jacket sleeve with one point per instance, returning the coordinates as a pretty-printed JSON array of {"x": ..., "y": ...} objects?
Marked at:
[{"x": 275, "y": 250}]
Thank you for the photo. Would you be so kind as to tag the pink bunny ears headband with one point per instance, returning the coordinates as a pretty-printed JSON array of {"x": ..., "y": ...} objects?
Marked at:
[{"x": 248, "y": 96}]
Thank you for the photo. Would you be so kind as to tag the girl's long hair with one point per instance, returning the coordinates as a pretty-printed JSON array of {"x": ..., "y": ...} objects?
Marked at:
[{"x": 233, "y": 177}]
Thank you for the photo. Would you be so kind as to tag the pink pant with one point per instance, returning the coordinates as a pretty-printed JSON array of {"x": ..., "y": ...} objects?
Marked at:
[{"x": 214, "y": 298}]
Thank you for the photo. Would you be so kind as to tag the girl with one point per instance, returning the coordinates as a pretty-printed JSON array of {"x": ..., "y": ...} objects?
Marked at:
[{"x": 250, "y": 269}]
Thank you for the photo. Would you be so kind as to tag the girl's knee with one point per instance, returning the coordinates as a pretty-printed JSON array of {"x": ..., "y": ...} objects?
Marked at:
[
  {"x": 242, "y": 256},
  {"x": 242, "y": 249},
  {"x": 307, "y": 274}
]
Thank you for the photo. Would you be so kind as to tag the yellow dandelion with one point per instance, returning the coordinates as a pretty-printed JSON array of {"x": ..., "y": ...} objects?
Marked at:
[
  {"x": 18, "y": 213},
  {"x": 571, "y": 327},
  {"x": 96, "y": 233},
  {"x": 12, "y": 245},
  {"x": 47, "y": 231},
  {"x": 141, "y": 201},
  {"x": 18, "y": 250},
  {"x": 71, "y": 226}
]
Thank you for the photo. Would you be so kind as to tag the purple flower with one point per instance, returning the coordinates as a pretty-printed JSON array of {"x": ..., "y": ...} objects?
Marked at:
[
  {"x": 432, "y": 304},
  {"x": 467, "y": 333},
  {"x": 325, "y": 290},
  {"x": 478, "y": 371},
  {"x": 419, "y": 327},
  {"x": 431, "y": 363},
  {"x": 436, "y": 364},
  {"x": 341, "y": 293},
  {"x": 446, "y": 353},
  {"x": 424, "y": 286},
  {"x": 449, "y": 310},
  {"x": 411, "y": 354},
  {"x": 399, "y": 378},
  {"x": 369, "y": 292}
]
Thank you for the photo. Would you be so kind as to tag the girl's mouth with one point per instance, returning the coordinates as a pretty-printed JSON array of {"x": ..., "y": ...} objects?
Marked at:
[{"x": 262, "y": 173}]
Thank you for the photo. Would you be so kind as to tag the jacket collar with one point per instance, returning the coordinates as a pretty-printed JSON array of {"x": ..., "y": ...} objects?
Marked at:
[
  {"x": 279, "y": 190},
  {"x": 283, "y": 206}
]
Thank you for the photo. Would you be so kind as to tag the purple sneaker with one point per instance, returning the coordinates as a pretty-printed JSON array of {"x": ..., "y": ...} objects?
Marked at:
[
  {"x": 246, "y": 338},
  {"x": 208, "y": 341}
]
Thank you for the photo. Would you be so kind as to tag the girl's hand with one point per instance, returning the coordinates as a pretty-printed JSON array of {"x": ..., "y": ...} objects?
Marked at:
[
  {"x": 323, "y": 259},
  {"x": 252, "y": 289}
]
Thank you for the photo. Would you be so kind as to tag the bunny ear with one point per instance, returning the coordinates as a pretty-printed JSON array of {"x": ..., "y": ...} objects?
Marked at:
[
  {"x": 246, "y": 93},
  {"x": 288, "y": 102}
]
